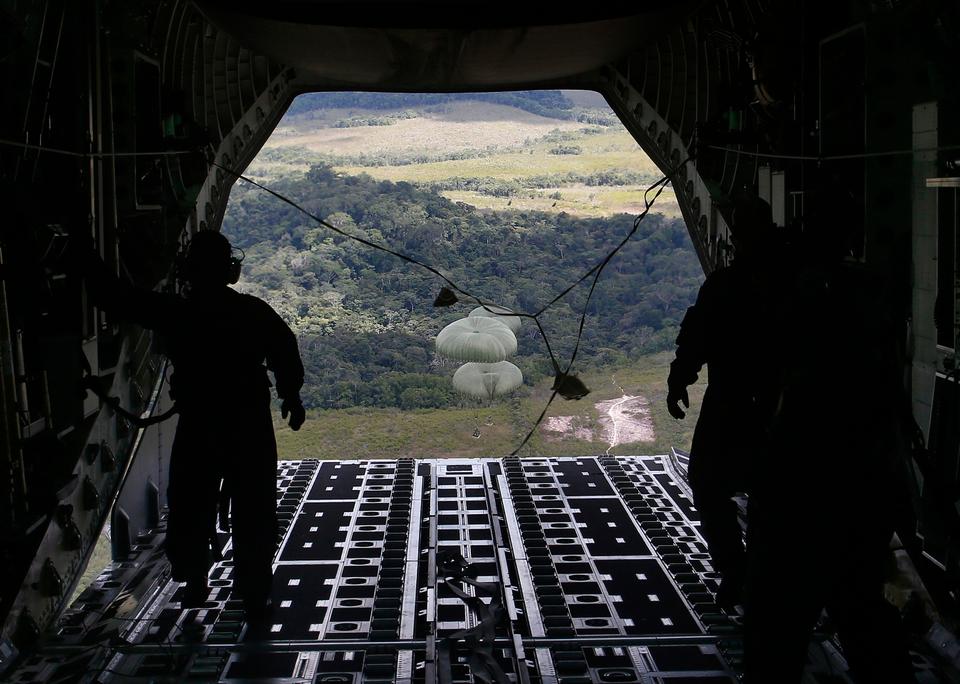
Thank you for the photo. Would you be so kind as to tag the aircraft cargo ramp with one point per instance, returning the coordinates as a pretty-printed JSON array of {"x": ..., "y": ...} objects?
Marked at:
[{"x": 557, "y": 570}]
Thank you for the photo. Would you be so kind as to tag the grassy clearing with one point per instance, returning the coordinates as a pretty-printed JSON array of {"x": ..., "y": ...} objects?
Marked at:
[
  {"x": 609, "y": 149},
  {"x": 379, "y": 433},
  {"x": 578, "y": 200},
  {"x": 389, "y": 433},
  {"x": 453, "y": 127},
  {"x": 514, "y": 145}
]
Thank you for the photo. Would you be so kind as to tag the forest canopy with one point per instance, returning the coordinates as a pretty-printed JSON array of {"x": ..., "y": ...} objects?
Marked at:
[
  {"x": 550, "y": 103},
  {"x": 365, "y": 319}
]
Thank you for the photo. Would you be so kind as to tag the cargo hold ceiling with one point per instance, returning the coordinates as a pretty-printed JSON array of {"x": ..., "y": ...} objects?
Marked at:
[{"x": 440, "y": 46}]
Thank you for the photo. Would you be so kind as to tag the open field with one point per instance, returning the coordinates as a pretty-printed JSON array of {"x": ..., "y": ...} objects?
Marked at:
[
  {"x": 389, "y": 433},
  {"x": 452, "y": 127},
  {"x": 603, "y": 150},
  {"x": 579, "y": 200},
  {"x": 471, "y": 140}
]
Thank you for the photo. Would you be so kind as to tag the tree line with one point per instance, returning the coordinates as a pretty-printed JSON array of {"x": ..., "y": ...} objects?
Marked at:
[{"x": 549, "y": 103}]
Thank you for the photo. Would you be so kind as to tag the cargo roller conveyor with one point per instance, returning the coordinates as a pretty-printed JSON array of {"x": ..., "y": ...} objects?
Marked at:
[{"x": 571, "y": 571}]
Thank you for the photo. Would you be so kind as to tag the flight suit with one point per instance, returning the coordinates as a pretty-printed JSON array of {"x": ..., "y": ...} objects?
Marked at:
[
  {"x": 723, "y": 330},
  {"x": 221, "y": 344}
]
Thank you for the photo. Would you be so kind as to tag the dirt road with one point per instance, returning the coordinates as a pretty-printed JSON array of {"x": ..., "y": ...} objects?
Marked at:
[{"x": 625, "y": 420}]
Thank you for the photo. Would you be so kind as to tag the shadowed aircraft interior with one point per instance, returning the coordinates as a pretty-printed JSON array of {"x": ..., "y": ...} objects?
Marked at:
[{"x": 124, "y": 127}]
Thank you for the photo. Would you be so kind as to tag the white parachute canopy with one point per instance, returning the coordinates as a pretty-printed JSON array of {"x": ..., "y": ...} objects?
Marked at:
[
  {"x": 501, "y": 314},
  {"x": 487, "y": 380},
  {"x": 476, "y": 339}
]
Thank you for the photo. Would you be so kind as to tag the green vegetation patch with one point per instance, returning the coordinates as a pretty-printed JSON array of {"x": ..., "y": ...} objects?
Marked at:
[
  {"x": 497, "y": 428},
  {"x": 390, "y": 433}
]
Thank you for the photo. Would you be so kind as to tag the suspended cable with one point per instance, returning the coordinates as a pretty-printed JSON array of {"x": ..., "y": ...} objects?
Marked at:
[
  {"x": 564, "y": 381},
  {"x": 95, "y": 155},
  {"x": 720, "y": 148},
  {"x": 831, "y": 157}
]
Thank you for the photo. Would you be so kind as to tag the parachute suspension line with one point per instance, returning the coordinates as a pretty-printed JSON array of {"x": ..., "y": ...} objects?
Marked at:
[
  {"x": 403, "y": 257},
  {"x": 595, "y": 271}
]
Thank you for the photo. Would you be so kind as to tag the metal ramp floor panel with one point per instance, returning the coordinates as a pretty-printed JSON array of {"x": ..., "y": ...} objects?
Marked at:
[{"x": 571, "y": 570}]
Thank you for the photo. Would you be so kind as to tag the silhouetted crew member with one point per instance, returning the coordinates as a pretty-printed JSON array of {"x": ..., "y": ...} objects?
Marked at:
[
  {"x": 824, "y": 502},
  {"x": 723, "y": 330},
  {"x": 221, "y": 343}
]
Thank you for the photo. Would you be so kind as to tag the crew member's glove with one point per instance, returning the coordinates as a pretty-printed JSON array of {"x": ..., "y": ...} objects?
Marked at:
[
  {"x": 298, "y": 414},
  {"x": 675, "y": 395}
]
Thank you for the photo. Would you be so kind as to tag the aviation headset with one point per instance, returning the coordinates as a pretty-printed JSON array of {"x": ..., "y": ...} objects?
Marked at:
[
  {"x": 184, "y": 266},
  {"x": 233, "y": 273}
]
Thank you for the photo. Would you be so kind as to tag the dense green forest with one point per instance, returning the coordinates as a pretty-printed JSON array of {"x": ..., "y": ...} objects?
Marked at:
[{"x": 365, "y": 318}]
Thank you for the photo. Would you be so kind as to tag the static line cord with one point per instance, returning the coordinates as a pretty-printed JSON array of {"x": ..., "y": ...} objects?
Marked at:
[
  {"x": 662, "y": 182},
  {"x": 409, "y": 259},
  {"x": 831, "y": 157},
  {"x": 95, "y": 155}
]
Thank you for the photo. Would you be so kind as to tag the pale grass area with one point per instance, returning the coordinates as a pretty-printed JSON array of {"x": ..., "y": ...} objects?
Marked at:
[
  {"x": 510, "y": 165},
  {"x": 610, "y": 150},
  {"x": 577, "y": 200},
  {"x": 449, "y": 128},
  {"x": 513, "y": 145},
  {"x": 291, "y": 125},
  {"x": 268, "y": 170}
]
